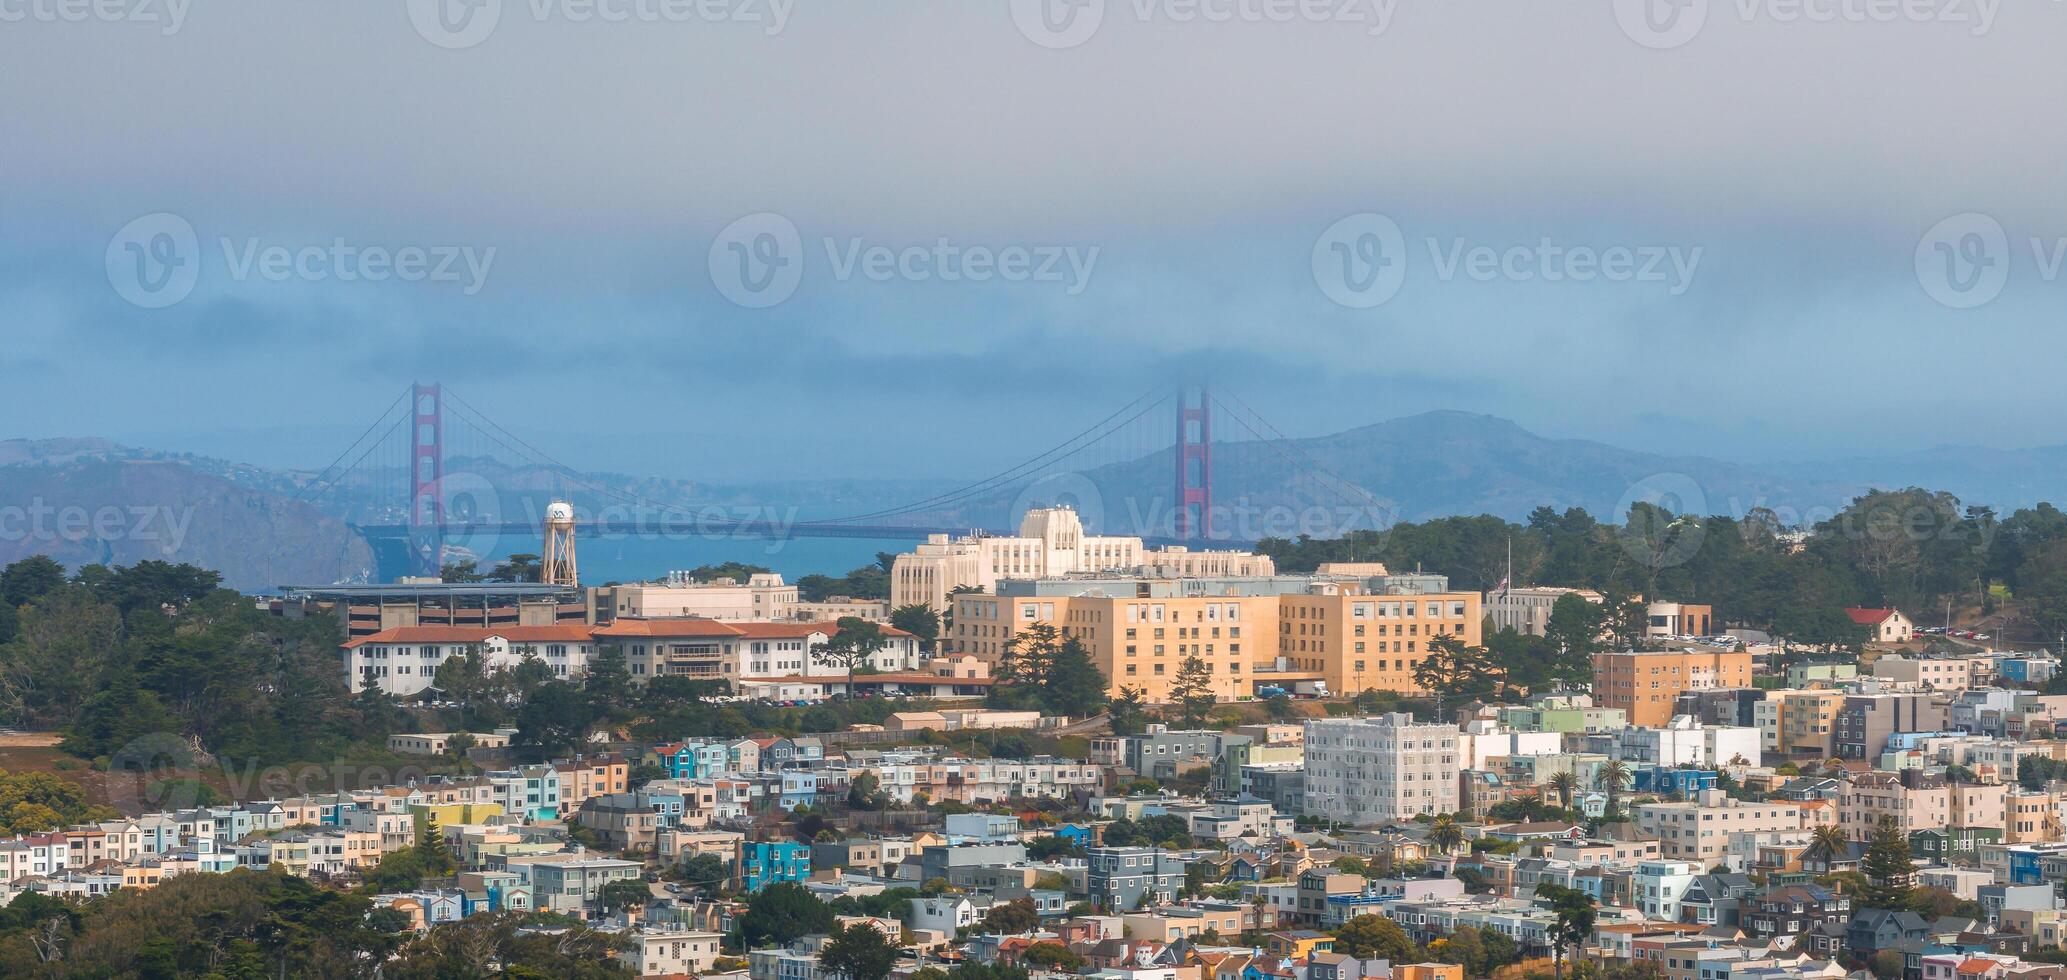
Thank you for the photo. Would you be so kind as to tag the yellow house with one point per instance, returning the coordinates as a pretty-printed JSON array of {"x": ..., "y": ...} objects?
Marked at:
[
  {"x": 454, "y": 814},
  {"x": 1299, "y": 943}
]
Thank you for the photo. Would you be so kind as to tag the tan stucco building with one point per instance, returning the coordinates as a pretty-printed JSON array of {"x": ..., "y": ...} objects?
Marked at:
[{"x": 1051, "y": 542}]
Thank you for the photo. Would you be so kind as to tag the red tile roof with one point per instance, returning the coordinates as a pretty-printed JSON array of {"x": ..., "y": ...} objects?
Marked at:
[
  {"x": 1868, "y": 617},
  {"x": 687, "y": 626}
]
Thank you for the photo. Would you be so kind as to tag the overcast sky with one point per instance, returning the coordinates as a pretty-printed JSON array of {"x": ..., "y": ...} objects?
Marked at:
[{"x": 1745, "y": 212}]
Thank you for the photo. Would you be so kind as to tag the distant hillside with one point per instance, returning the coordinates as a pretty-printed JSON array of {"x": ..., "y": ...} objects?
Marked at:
[
  {"x": 1430, "y": 465},
  {"x": 242, "y": 519},
  {"x": 105, "y": 506}
]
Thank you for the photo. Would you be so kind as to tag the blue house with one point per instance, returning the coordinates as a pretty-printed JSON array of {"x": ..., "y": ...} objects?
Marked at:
[
  {"x": 1080, "y": 836},
  {"x": 1683, "y": 782},
  {"x": 762, "y": 863},
  {"x": 799, "y": 788}
]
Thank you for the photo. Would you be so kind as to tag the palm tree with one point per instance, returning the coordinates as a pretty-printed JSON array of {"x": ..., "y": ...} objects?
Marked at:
[
  {"x": 1828, "y": 839},
  {"x": 1613, "y": 775},
  {"x": 1444, "y": 834},
  {"x": 1564, "y": 782}
]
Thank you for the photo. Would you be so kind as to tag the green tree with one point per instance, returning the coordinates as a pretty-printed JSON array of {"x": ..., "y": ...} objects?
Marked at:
[
  {"x": 919, "y": 620},
  {"x": 1011, "y": 918},
  {"x": 782, "y": 912},
  {"x": 1128, "y": 713},
  {"x": 1053, "y": 956},
  {"x": 1375, "y": 937},
  {"x": 864, "y": 792},
  {"x": 1574, "y": 918},
  {"x": 1444, "y": 834},
  {"x": 1192, "y": 691},
  {"x": 1075, "y": 687},
  {"x": 853, "y": 642},
  {"x": 1574, "y": 627},
  {"x": 517, "y": 568},
  {"x": 434, "y": 856},
  {"x": 623, "y": 894},
  {"x": 557, "y": 716},
  {"x": 1454, "y": 672},
  {"x": 1612, "y": 778},
  {"x": 859, "y": 952},
  {"x": 1889, "y": 868}
]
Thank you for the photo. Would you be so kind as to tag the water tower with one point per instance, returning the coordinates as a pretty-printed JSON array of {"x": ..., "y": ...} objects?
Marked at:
[{"x": 557, "y": 566}]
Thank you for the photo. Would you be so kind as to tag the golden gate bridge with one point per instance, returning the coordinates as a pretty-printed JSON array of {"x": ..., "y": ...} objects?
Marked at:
[{"x": 434, "y": 471}]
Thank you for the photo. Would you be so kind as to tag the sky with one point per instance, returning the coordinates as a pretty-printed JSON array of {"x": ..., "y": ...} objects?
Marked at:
[{"x": 767, "y": 239}]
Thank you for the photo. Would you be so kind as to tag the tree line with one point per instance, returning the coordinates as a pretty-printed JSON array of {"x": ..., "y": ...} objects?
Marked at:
[{"x": 1912, "y": 549}]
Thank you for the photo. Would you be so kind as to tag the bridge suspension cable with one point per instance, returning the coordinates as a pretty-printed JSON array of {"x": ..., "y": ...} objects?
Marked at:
[{"x": 1089, "y": 437}]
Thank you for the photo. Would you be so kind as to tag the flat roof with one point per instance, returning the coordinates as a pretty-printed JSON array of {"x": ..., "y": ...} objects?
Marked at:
[{"x": 436, "y": 589}]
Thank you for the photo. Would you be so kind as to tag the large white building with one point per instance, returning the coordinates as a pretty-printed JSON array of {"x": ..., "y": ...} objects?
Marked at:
[
  {"x": 1366, "y": 771},
  {"x": 403, "y": 661},
  {"x": 1051, "y": 543},
  {"x": 1685, "y": 742},
  {"x": 762, "y": 659},
  {"x": 1699, "y": 830},
  {"x": 763, "y": 597}
]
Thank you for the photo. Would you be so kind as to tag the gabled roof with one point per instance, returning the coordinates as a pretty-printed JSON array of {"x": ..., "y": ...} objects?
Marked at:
[{"x": 1868, "y": 617}]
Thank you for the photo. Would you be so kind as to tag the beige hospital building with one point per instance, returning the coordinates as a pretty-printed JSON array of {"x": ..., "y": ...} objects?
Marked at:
[{"x": 1295, "y": 632}]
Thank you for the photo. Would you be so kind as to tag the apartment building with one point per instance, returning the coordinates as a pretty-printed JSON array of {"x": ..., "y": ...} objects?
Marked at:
[
  {"x": 1358, "y": 641},
  {"x": 1366, "y": 771},
  {"x": 1527, "y": 611},
  {"x": 1929, "y": 673},
  {"x": 1698, "y": 830},
  {"x": 1051, "y": 542},
  {"x": 1123, "y": 877},
  {"x": 403, "y": 661},
  {"x": 1865, "y": 722},
  {"x": 1915, "y": 801},
  {"x": 985, "y": 780},
  {"x": 1644, "y": 685},
  {"x": 762, "y": 597},
  {"x": 748, "y": 654},
  {"x": 1290, "y": 632},
  {"x": 1139, "y": 631},
  {"x": 1799, "y": 724}
]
